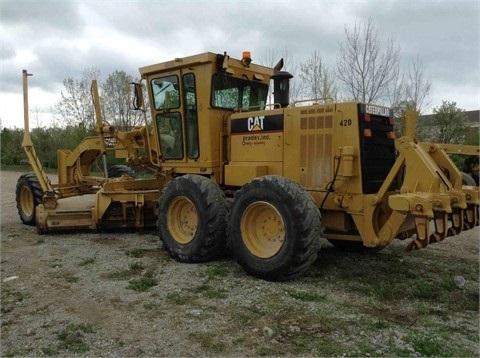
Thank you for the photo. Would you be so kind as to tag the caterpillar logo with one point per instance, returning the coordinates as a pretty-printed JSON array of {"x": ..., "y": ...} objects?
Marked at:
[
  {"x": 266, "y": 123},
  {"x": 255, "y": 123}
]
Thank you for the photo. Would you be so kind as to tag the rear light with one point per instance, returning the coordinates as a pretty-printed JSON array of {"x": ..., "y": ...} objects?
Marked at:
[
  {"x": 391, "y": 135},
  {"x": 391, "y": 121},
  {"x": 367, "y": 132},
  {"x": 366, "y": 117}
]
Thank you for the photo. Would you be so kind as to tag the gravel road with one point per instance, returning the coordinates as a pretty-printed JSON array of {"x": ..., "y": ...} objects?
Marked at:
[{"x": 73, "y": 294}]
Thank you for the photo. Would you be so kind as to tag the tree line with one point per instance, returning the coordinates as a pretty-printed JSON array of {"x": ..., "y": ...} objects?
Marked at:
[{"x": 366, "y": 70}]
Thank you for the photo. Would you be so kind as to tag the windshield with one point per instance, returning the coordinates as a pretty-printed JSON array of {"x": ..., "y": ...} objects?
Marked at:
[{"x": 230, "y": 92}]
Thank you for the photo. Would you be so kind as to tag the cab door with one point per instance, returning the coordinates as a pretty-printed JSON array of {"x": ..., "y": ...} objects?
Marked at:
[
  {"x": 175, "y": 115},
  {"x": 167, "y": 105}
]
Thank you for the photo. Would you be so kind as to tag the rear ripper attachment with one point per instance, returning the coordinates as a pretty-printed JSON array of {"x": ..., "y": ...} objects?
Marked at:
[{"x": 432, "y": 191}]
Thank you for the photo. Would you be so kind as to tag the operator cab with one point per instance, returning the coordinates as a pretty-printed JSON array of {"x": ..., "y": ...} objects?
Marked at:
[{"x": 189, "y": 100}]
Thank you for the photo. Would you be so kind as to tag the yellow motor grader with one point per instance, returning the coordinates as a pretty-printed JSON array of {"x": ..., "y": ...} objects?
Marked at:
[{"x": 266, "y": 181}]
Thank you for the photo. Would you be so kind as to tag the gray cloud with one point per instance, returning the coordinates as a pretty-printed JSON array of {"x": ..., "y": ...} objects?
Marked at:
[{"x": 45, "y": 35}]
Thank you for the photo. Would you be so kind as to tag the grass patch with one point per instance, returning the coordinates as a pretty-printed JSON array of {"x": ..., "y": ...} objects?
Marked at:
[
  {"x": 398, "y": 276},
  {"x": 142, "y": 284},
  {"x": 210, "y": 292},
  {"x": 49, "y": 351},
  {"x": 118, "y": 275},
  {"x": 209, "y": 341},
  {"x": 137, "y": 266},
  {"x": 216, "y": 271},
  {"x": 138, "y": 253},
  {"x": 180, "y": 299},
  {"x": 71, "y": 279},
  {"x": 72, "y": 338},
  {"x": 151, "y": 305},
  {"x": 305, "y": 296},
  {"x": 429, "y": 344},
  {"x": 87, "y": 261}
]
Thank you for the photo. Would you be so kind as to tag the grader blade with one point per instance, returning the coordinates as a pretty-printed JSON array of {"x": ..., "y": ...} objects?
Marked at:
[{"x": 69, "y": 214}]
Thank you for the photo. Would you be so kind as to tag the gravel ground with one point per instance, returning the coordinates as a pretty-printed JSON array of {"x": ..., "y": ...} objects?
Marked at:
[{"x": 69, "y": 295}]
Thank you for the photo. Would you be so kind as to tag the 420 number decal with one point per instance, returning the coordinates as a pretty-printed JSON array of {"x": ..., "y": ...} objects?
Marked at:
[{"x": 345, "y": 122}]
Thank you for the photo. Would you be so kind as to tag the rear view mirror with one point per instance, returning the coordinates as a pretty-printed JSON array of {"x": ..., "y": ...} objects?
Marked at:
[{"x": 137, "y": 96}]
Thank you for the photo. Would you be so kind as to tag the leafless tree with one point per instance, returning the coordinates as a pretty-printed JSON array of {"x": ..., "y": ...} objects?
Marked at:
[
  {"x": 75, "y": 106},
  {"x": 270, "y": 58},
  {"x": 417, "y": 85},
  {"x": 411, "y": 92},
  {"x": 116, "y": 101},
  {"x": 367, "y": 68},
  {"x": 317, "y": 80}
]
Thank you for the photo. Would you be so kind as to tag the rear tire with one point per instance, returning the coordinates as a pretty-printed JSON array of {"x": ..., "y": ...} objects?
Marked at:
[
  {"x": 192, "y": 219},
  {"x": 28, "y": 195},
  {"x": 467, "y": 179},
  {"x": 274, "y": 228},
  {"x": 116, "y": 171}
]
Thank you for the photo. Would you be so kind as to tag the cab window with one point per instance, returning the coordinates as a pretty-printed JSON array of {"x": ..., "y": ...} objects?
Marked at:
[
  {"x": 230, "y": 92},
  {"x": 165, "y": 92},
  {"x": 191, "y": 115},
  {"x": 170, "y": 134}
]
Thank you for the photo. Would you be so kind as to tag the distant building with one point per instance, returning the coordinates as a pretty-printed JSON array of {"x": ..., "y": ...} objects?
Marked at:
[{"x": 473, "y": 118}]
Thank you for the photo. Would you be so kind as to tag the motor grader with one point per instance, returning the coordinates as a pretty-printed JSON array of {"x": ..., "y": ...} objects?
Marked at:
[{"x": 232, "y": 172}]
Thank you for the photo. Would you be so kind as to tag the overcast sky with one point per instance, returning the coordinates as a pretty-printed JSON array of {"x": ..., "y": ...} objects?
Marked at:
[{"x": 59, "y": 39}]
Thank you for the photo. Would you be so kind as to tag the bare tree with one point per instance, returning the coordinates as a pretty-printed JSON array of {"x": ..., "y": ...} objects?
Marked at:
[
  {"x": 317, "y": 80},
  {"x": 417, "y": 85},
  {"x": 116, "y": 101},
  {"x": 411, "y": 92},
  {"x": 366, "y": 68},
  {"x": 75, "y": 106},
  {"x": 270, "y": 58}
]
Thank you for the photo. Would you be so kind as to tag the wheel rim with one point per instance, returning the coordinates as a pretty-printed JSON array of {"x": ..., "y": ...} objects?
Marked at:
[
  {"x": 263, "y": 229},
  {"x": 26, "y": 201},
  {"x": 182, "y": 220}
]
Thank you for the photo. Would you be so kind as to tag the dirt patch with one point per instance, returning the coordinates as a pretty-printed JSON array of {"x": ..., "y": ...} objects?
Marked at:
[{"x": 120, "y": 294}]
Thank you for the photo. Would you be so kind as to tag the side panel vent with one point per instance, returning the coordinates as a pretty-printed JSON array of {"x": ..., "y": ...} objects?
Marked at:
[{"x": 316, "y": 147}]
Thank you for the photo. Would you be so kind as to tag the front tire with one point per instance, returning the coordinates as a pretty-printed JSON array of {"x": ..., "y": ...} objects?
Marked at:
[
  {"x": 274, "y": 228},
  {"x": 28, "y": 195},
  {"x": 192, "y": 219},
  {"x": 116, "y": 171},
  {"x": 467, "y": 179}
]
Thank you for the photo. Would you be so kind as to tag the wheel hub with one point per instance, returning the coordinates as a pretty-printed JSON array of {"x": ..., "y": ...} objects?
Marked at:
[
  {"x": 182, "y": 220},
  {"x": 263, "y": 229},
  {"x": 26, "y": 200}
]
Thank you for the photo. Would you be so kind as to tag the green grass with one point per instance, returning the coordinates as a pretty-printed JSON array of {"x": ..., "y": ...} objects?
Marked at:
[
  {"x": 209, "y": 341},
  {"x": 87, "y": 261},
  {"x": 142, "y": 284},
  {"x": 208, "y": 291},
  {"x": 118, "y": 275},
  {"x": 137, "y": 266},
  {"x": 305, "y": 296},
  {"x": 216, "y": 271},
  {"x": 181, "y": 298},
  {"x": 71, "y": 279},
  {"x": 71, "y": 339},
  {"x": 136, "y": 252}
]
